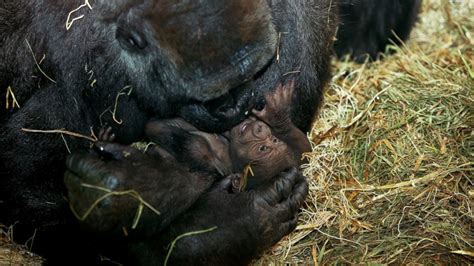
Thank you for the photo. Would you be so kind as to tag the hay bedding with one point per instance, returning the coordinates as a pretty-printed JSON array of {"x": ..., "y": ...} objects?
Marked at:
[
  {"x": 391, "y": 172},
  {"x": 392, "y": 166},
  {"x": 13, "y": 254}
]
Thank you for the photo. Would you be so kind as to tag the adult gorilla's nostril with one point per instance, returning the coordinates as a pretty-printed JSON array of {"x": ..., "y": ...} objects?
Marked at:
[{"x": 130, "y": 39}]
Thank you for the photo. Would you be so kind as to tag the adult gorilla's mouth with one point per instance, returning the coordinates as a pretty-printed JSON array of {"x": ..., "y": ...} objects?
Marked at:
[
  {"x": 228, "y": 110},
  {"x": 214, "y": 52}
]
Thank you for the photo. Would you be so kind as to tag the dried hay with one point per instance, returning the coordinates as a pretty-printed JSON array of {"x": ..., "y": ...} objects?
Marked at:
[
  {"x": 392, "y": 166},
  {"x": 13, "y": 254}
]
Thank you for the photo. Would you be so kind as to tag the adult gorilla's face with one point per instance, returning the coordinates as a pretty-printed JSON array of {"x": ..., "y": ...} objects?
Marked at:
[
  {"x": 192, "y": 51},
  {"x": 213, "y": 45}
]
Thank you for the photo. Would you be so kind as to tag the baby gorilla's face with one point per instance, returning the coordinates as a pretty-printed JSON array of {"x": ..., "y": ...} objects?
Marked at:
[{"x": 252, "y": 142}]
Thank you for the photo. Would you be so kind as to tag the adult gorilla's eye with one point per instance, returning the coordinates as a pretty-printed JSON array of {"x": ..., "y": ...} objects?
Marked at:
[
  {"x": 132, "y": 42},
  {"x": 130, "y": 39}
]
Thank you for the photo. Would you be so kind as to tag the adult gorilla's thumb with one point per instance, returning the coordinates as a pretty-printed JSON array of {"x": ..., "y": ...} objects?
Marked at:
[
  {"x": 84, "y": 165},
  {"x": 224, "y": 185}
]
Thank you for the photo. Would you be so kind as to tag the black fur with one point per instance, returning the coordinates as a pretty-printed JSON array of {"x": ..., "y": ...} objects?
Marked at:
[
  {"x": 151, "y": 54},
  {"x": 368, "y": 26},
  {"x": 209, "y": 203}
]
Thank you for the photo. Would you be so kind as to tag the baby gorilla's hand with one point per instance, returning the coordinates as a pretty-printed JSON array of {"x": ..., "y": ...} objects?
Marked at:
[
  {"x": 276, "y": 112},
  {"x": 105, "y": 134}
]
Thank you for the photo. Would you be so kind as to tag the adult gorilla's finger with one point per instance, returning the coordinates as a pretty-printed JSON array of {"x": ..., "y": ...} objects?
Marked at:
[
  {"x": 80, "y": 198},
  {"x": 85, "y": 165},
  {"x": 290, "y": 225},
  {"x": 286, "y": 183},
  {"x": 297, "y": 198},
  {"x": 159, "y": 153},
  {"x": 71, "y": 181},
  {"x": 281, "y": 189},
  {"x": 289, "y": 207},
  {"x": 285, "y": 227},
  {"x": 225, "y": 184}
]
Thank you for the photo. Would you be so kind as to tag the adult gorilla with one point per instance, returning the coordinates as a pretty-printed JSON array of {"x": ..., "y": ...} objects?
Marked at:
[{"x": 122, "y": 62}]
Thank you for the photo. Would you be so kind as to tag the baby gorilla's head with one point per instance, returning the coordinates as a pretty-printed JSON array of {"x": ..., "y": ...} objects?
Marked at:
[{"x": 252, "y": 143}]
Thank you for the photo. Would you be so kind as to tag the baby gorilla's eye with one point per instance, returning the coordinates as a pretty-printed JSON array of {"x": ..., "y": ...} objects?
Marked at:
[
  {"x": 275, "y": 140},
  {"x": 263, "y": 148}
]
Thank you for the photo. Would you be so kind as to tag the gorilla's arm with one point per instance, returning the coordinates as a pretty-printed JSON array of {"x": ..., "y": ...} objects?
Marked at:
[
  {"x": 246, "y": 223},
  {"x": 127, "y": 190},
  {"x": 196, "y": 149}
]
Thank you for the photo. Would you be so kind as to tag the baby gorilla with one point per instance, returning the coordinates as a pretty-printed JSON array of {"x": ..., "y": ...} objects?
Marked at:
[{"x": 264, "y": 144}]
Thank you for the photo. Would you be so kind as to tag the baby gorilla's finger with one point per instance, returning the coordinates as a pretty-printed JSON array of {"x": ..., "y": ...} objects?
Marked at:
[
  {"x": 105, "y": 134},
  {"x": 261, "y": 114},
  {"x": 271, "y": 99},
  {"x": 284, "y": 187},
  {"x": 108, "y": 135},
  {"x": 101, "y": 133},
  {"x": 287, "y": 93},
  {"x": 291, "y": 86}
]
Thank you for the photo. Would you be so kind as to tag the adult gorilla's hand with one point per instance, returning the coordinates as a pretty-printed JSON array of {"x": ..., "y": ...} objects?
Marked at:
[
  {"x": 119, "y": 187},
  {"x": 225, "y": 229}
]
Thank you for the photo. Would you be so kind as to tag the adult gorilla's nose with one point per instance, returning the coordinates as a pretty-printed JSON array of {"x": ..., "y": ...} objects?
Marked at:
[{"x": 214, "y": 45}]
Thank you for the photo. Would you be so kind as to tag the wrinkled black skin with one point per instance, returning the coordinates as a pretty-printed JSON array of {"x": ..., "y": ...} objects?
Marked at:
[
  {"x": 368, "y": 26},
  {"x": 138, "y": 55}
]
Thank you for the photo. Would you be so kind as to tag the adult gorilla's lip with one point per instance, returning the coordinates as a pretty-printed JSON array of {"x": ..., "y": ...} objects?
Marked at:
[
  {"x": 232, "y": 99},
  {"x": 231, "y": 108}
]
